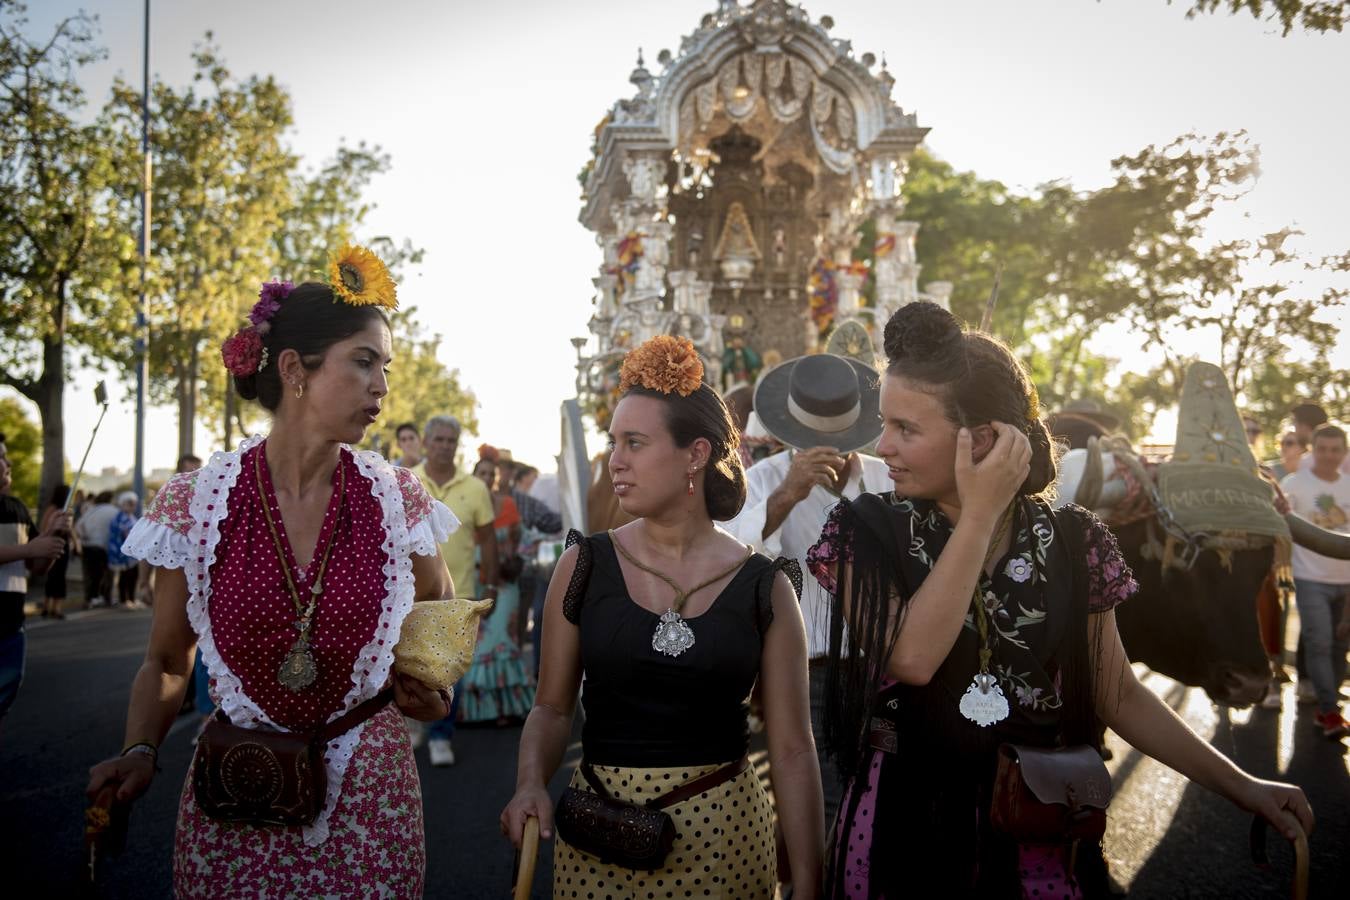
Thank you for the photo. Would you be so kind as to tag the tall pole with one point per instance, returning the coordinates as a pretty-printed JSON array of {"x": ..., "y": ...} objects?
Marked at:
[{"x": 143, "y": 310}]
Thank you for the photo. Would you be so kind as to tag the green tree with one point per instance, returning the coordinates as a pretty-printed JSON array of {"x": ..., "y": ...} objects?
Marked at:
[
  {"x": 221, "y": 185},
  {"x": 23, "y": 445},
  {"x": 1135, "y": 253},
  {"x": 420, "y": 385},
  {"x": 65, "y": 257},
  {"x": 1317, "y": 15},
  {"x": 329, "y": 207}
]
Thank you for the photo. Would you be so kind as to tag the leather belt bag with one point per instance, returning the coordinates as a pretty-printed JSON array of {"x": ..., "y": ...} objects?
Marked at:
[
  {"x": 626, "y": 834},
  {"x": 262, "y": 777},
  {"x": 1050, "y": 795}
]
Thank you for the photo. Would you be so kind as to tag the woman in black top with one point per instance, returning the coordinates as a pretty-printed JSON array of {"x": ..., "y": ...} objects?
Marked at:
[{"x": 668, "y": 676}]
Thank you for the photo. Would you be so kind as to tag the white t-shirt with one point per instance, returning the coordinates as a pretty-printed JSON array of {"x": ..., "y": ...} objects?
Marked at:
[
  {"x": 94, "y": 525},
  {"x": 1326, "y": 504},
  {"x": 801, "y": 529}
]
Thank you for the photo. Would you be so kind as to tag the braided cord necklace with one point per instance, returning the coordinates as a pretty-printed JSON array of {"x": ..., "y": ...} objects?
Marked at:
[
  {"x": 673, "y": 635},
  {"x": 299, "y": 670},
  {"x": 983, "y": 702}
]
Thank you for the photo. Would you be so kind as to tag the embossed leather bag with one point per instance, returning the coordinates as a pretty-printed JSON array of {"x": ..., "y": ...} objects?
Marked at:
[
  {"x": 1050, "y": 795},
  {"x": 263, "y": 777},
  {"x": 627, "y": 834}
]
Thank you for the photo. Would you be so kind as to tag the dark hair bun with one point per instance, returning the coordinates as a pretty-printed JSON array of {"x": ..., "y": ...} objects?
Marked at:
[
  {"x": 920, "y": 331},
  {"x": 246, "y": 386}
]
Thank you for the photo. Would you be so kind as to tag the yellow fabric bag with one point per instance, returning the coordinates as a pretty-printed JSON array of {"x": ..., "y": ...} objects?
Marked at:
[{"x": 437, "y": 641}]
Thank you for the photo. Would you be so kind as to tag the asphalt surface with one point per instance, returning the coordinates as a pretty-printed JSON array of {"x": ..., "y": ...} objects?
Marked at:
[{"x": 1166, "y": 838}]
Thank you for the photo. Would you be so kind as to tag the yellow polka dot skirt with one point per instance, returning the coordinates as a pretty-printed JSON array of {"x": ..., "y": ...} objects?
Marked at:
[{"x": 724, "y": 844}]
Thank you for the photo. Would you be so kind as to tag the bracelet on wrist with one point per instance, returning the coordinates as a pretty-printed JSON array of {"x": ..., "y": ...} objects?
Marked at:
[{"x": 143, "y": 748}]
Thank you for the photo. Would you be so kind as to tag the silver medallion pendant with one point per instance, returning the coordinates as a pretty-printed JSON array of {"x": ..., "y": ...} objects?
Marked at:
[
  {"x": 983, "y": 702},
  {"x": 673, "y": 635},
  {"x": 298, "y": 670}
]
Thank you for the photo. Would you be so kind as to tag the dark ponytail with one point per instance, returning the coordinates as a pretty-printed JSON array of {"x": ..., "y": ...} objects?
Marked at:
[{"x": 975, "y": 375}]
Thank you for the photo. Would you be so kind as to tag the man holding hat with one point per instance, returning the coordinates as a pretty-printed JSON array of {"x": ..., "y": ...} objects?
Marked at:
[{"x": 824, "y": 408}]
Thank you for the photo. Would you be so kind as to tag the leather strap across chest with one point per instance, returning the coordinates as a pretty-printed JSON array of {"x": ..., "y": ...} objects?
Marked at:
[{"x": 680, "y": 794}]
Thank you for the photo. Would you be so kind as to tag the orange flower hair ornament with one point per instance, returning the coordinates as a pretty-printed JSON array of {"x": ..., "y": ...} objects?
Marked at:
[
  {"x": 666, "y": 364},
  {"x": 488, "y": 452}
]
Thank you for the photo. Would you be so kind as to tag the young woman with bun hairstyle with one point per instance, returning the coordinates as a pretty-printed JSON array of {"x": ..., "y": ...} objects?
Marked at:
[
  {"x": 967, "y": 614},
  {"x": 292, "y": 562},
  {"x": 672, "y": 621}
]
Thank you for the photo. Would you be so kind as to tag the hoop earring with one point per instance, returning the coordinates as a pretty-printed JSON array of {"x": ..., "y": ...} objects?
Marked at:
[
  {"x": 299, "y": 389},
  {"x": 691, "y": 484}
]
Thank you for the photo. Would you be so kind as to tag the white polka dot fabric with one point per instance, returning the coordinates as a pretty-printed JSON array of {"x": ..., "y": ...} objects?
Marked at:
[{"x": 243, "y": 613}]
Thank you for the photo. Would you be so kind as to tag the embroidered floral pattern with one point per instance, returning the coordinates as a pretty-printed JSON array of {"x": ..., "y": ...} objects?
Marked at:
[
  {"x": 1018, "y": 569},
  {"x": 1028, "y": 695},
  {"x": 170, "y": 507},
  {"x": 1013, "y": 601},
  {"x": 416, "y": 500}
]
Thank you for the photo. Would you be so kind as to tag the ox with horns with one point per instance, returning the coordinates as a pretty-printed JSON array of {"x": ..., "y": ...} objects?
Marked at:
[{"x": 1194, "y": 618}]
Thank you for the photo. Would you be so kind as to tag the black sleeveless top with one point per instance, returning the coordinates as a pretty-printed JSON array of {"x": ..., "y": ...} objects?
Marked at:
[{"x": 649, "y": 710}]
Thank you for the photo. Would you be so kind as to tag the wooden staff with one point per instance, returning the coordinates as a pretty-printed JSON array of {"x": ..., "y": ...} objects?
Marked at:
[{"x": 525, "y": 860}]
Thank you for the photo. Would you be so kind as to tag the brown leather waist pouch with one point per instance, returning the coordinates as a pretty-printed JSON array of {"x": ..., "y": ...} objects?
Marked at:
[
  {"x": 1050, "y": 795},
  {"x": 263, "y": 777},
  {"x": 626, "y": 834}
]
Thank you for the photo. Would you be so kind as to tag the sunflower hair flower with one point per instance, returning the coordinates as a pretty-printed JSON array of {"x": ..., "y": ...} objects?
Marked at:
[
  {"x": 360, "y": 278},
  {"x": 666, "y": 364}
]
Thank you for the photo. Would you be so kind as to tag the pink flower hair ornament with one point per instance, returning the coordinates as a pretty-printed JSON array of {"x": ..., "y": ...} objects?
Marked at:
[{"x": 243, "y": 352}]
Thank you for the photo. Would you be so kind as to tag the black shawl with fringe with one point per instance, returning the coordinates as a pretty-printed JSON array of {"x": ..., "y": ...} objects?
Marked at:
[{"x": 931, "y": 835}]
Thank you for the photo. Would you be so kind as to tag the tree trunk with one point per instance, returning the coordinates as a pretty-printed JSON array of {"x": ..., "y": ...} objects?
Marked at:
[
  {"x": 50, "y": 400},
  {"x": 50, "y": 397},
  {"x": 187, "y": 401}
]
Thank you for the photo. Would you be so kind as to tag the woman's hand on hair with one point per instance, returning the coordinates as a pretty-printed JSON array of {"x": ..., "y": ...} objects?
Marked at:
[{"x": 987, "y": 487}]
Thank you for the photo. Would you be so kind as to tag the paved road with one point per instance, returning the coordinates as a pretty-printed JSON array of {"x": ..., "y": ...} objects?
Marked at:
[{"x": 1166, "y": 839}]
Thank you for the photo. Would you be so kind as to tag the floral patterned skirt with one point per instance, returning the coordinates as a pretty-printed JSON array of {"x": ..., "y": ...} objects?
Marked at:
[{"x": 376, "y": 845}]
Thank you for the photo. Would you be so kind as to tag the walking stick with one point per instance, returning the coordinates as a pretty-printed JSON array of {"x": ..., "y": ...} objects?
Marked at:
[
  {"x": 1259, "y": 856},
  {"x": 526, "y": 857},
  {"x": 101, "y": 398}
]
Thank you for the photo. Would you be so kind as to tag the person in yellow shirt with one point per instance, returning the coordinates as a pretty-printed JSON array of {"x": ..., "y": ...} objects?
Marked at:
[{"x": 469, "y": 500}]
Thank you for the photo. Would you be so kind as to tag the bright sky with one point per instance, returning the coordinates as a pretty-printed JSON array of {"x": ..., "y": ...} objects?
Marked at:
[{"x": 487, "y": 111}]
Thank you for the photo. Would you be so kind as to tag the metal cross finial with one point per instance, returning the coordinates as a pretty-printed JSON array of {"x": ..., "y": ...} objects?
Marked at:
[{"x": 640, "y": 62}]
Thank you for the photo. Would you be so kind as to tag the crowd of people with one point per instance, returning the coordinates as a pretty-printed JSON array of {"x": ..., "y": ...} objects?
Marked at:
[{"x": 853, "y": 589}]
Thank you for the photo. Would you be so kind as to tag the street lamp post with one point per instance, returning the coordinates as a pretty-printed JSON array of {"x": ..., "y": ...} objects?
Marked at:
[{"x": 142, "y": 311}]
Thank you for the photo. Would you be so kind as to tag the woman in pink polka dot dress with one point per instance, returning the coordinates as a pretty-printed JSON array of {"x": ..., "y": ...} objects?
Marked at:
[{"x": 237, "y": 543}]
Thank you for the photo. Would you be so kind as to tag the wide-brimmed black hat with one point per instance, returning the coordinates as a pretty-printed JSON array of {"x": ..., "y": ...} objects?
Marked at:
[
  {"x": 1085, "y": 409},
  {"x": 821, "y": 400}
]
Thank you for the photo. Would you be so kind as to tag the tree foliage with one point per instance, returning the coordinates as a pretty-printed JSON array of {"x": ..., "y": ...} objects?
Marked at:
[
  {"x": 1316, "y": 15},
  {"x": 23, "y": 445},
  {"x": 65, "y": 257},
  {"x": 221, "y": 183},
  {"x": 1135, "y": 257},
  {"x": 420, "y": 385}
]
